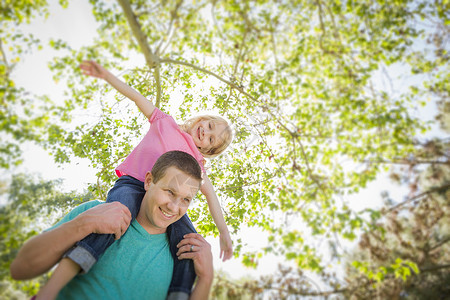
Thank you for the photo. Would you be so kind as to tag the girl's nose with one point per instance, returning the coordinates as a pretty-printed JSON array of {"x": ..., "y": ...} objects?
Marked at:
[{"x": 203, "y": 133}]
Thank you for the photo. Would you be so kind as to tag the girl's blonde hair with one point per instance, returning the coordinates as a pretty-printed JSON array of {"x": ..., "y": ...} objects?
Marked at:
[{"x": 226, "y": 135}]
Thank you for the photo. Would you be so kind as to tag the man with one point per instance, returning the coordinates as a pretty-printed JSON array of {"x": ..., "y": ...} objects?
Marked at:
[{"x": 139, "y": 265}]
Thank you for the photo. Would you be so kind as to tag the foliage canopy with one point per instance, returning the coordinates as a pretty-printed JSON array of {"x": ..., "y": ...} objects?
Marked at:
[{"x": 299, "y": 81}]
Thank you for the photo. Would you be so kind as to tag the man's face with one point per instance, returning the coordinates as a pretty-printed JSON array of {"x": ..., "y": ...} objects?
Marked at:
[{"x": 166, "y": 201}]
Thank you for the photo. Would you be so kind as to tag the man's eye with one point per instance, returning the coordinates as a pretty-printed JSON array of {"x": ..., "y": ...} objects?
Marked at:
[
  {"x": 187, "y": 200},
  {"x": 210, "y": 126},
  {"x": 170, "y": 192}
]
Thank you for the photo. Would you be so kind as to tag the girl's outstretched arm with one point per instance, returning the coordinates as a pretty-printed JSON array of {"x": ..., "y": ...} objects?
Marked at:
[
  {"x": 92, "y": 68},
  {"x": 226, "y": 245}
]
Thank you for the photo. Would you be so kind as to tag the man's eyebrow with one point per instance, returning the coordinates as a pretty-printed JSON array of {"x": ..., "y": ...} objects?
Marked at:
[
  {"x": 173, "y": 187},
  {"x": 175, "y": 190}
]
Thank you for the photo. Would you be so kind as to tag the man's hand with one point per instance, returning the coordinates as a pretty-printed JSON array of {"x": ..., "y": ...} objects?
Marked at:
[
  {"x": 111, "y": 218},
  {"x": 91, "y": 68},
  {"x": 195, "y": 247}
]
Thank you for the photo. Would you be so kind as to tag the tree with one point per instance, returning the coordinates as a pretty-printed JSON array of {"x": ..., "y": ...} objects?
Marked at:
[
  {"x": 21, "y": 116},
  {"x": 32, "y": 205},
  {"x": 415, "y": 230},
  {"x": 404, "y": 255},
  {"x": 297, "y": 79}
]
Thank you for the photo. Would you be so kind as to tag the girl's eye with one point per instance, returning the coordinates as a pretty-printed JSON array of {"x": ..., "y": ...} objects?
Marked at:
[
  {"x": 170, "y": 192},
  {"x": 210, "y": 140},
  {"x": 210, "y": 127},
  {"x": 187, "y": 200}
]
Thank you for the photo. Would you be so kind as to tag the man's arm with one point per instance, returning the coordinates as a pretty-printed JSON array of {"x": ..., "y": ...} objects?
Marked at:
[
  {"x": 203, "y": 263},
  {"x": 42, "y": 252}
]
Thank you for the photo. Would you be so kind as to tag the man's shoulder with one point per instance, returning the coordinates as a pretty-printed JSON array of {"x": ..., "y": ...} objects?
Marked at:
[
  {"x": 89, "y": 204},
  {"x": 83, "y": 207},
  {"x": 76, "y": 211}
]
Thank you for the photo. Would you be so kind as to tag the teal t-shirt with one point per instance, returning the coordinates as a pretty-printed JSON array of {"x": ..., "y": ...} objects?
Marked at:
[{"x": 138, "y": 266}]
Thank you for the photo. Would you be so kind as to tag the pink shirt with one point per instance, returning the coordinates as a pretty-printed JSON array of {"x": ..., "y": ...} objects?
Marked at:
[{"x": 164, "y": 135}]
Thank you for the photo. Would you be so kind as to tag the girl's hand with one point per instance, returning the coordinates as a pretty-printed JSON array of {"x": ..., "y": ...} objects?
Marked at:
[
  {"x": 91, "y": 68},
  {"x": 226, "y": 246}
]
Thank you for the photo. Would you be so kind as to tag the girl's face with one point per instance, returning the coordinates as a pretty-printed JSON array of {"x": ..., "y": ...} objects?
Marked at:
[{"x": 207, "y": 134}]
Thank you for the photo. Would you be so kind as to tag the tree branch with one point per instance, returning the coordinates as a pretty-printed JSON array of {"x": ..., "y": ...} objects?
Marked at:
[
  {"x": 231, "y": 84},
  {"x": 328, "y": 49},
  {"x": 5, "y": 60},
  {"x": 158, "y": 85},
  {"x": 443, "y": 242},
  {"x": 235, "y": 187},
  {"x": 435, "y": 268},
  {"x": 330, "y": 12},
  {"x": 153, "y": 60},
  {"x": 213, "y": 15},
  {"x": 150, "y": 58},
  {"x": 240, "y": 54},
  {"x": 171, "y": 30},
  {"x": 409, "y": 162},
  {"x": 308, "y": 167},
  {"x": 275, "y": 57},
  {"x": 289, "y": 291},
  {"x": 322, "y": 26},
  {"x": 430, "y": 191}
]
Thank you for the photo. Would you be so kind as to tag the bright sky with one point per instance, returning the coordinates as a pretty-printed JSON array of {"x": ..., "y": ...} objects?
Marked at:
[{"x": 77, "y": 26}]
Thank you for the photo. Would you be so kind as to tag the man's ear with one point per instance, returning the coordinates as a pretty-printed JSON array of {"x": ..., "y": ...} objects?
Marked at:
[{"x": 148, "y": 180}]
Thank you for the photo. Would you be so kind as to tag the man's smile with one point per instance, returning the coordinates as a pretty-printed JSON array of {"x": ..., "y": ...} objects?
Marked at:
[{"x": 166, "y": 213}]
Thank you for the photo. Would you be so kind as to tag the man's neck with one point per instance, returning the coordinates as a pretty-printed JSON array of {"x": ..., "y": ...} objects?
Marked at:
[{"x": 150, "y": 228}]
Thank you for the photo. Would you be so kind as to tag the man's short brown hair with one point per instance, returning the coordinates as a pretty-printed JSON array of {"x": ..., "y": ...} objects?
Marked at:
[{"x": 178, "y": 159}]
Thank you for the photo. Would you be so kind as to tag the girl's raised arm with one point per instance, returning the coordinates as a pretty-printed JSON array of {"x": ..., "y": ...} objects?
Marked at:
[
  {"x": 93, "y": 69},
  {"x": 226, "y": 245}
]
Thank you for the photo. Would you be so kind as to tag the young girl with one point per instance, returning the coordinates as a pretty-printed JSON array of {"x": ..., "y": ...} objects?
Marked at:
[{"x": 204, "y": 136}]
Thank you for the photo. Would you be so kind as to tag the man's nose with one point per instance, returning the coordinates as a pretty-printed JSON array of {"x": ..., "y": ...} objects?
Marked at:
[
  {"x": 176, "y": 203},
  {"x": 173, "y": 205}
]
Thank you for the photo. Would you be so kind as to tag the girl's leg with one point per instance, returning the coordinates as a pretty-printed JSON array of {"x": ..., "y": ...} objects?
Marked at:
[
  {"x": 183, "y": 270},
  {"x": 128, "y": 191}
]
